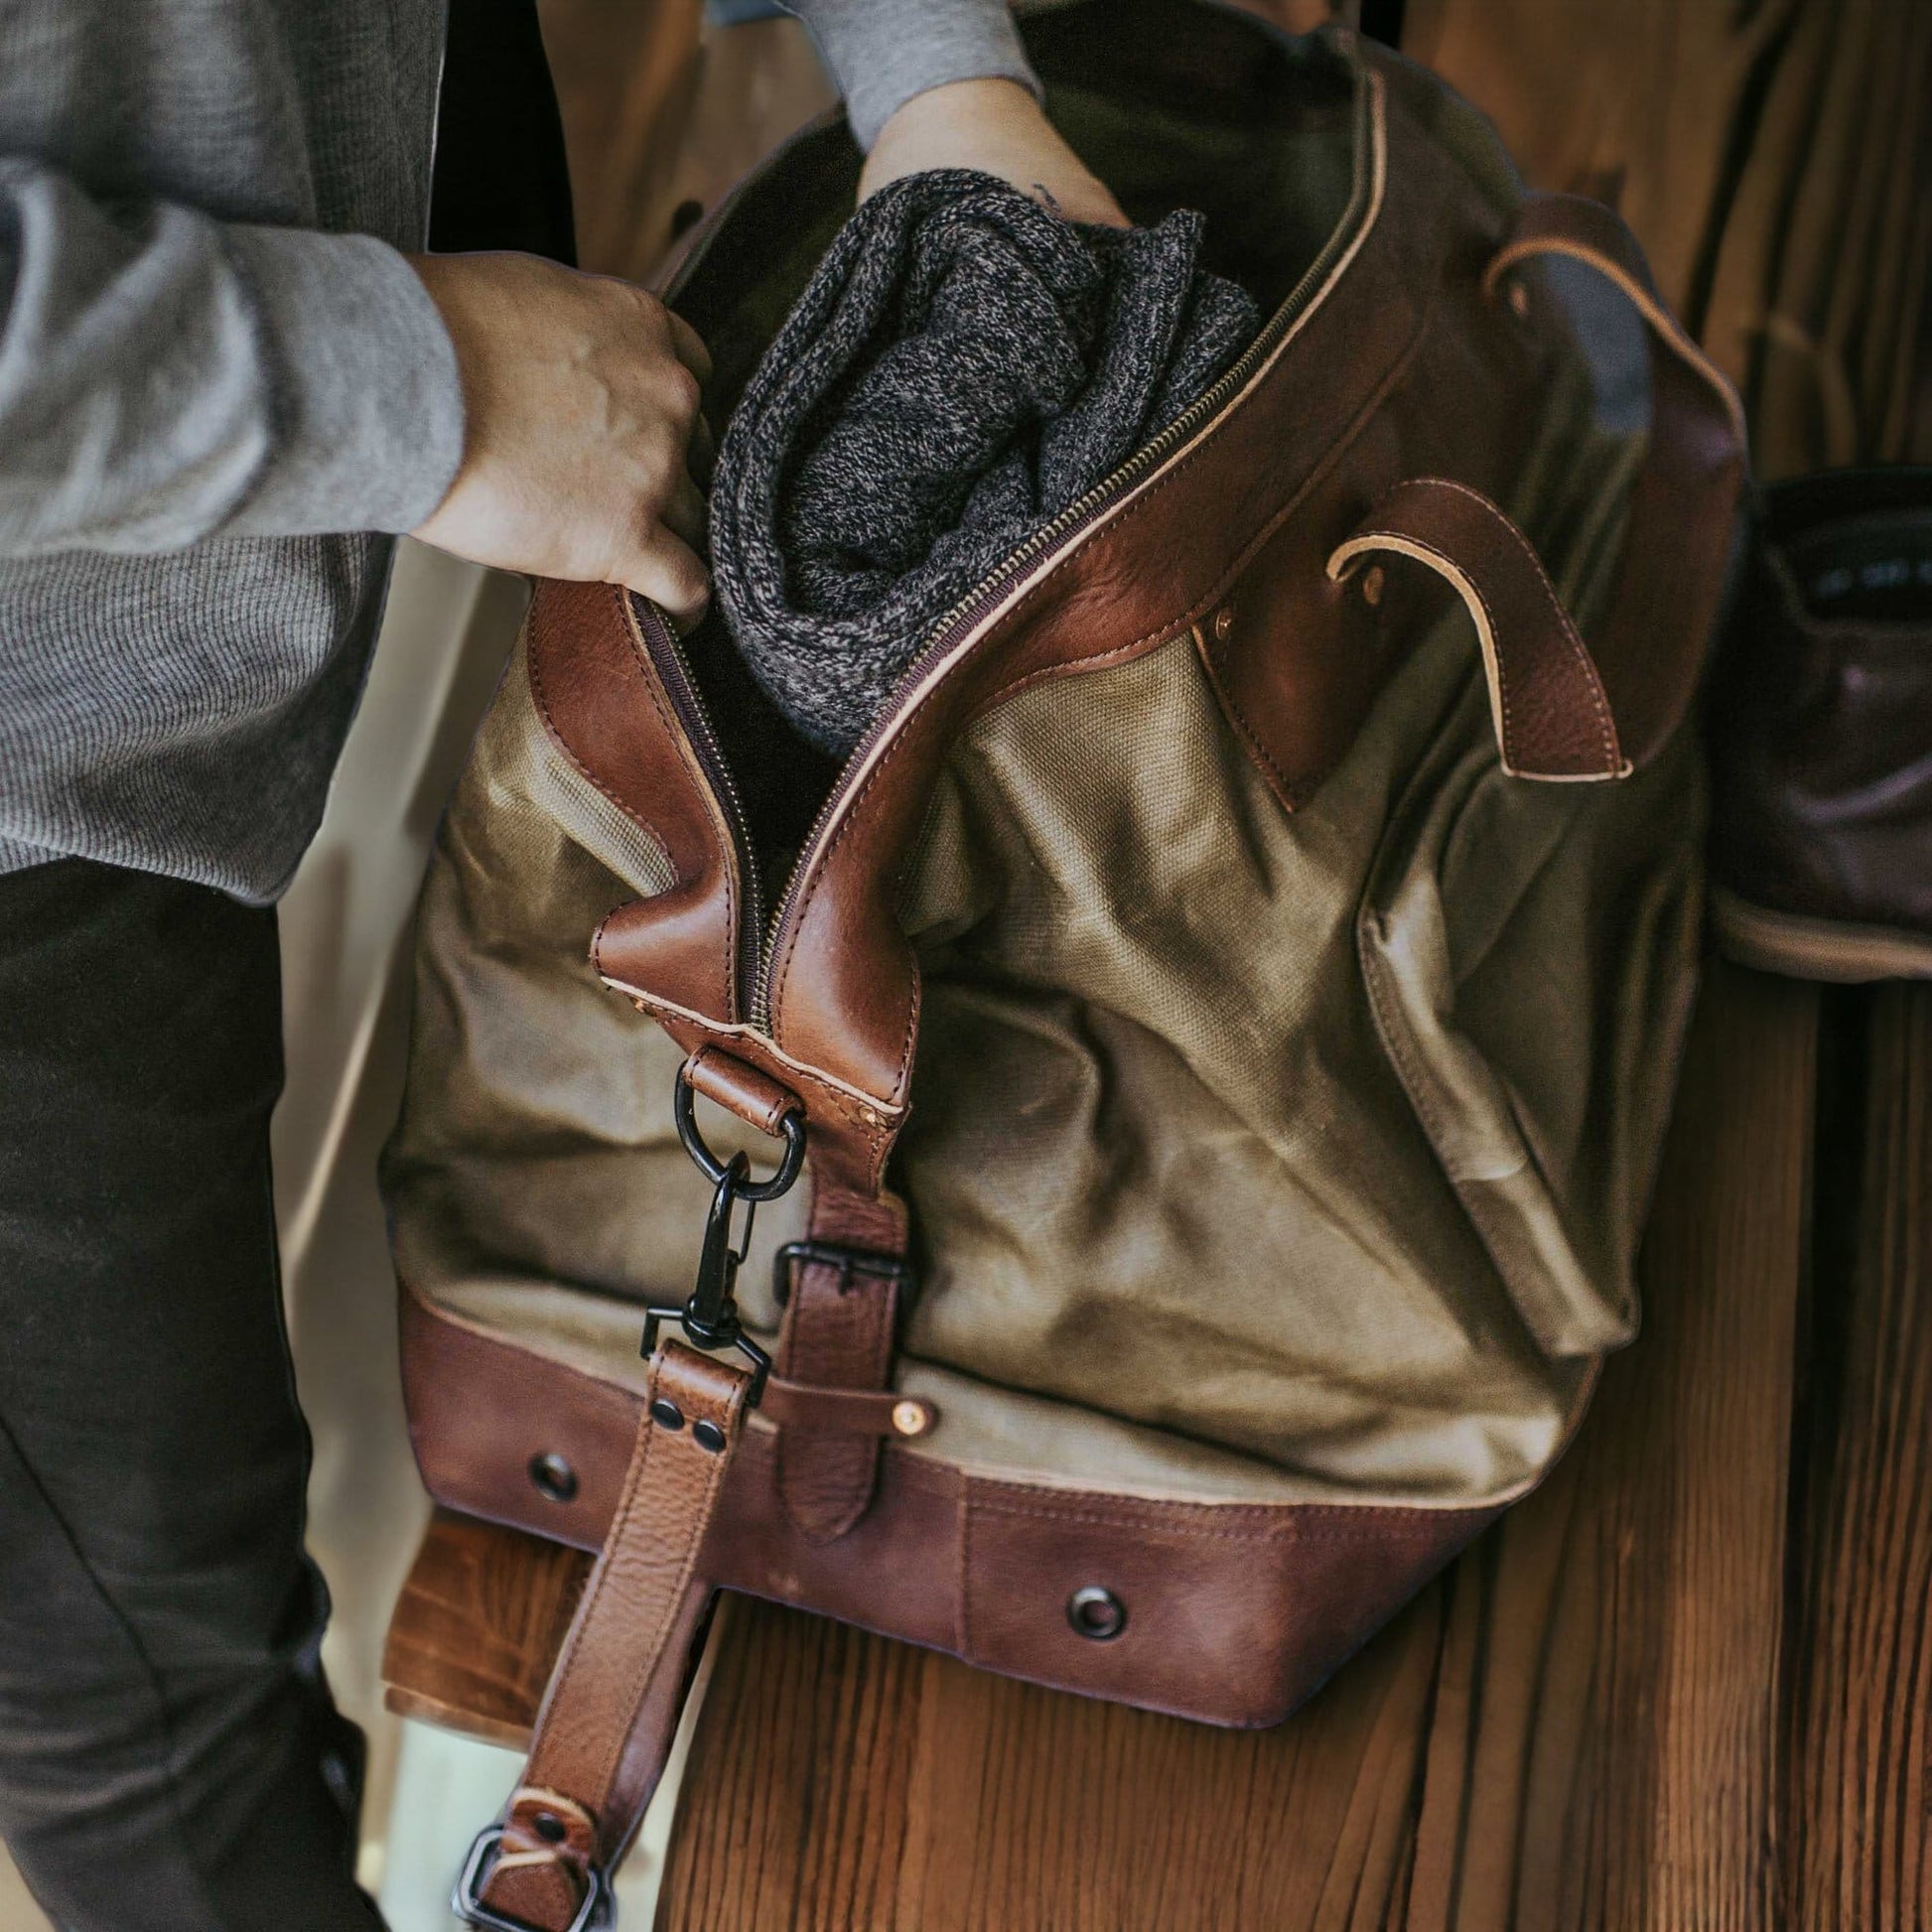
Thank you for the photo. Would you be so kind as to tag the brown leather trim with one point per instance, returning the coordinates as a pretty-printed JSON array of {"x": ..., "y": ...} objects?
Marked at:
[
  {"x": 740, "y": 1089},
  {"x": 1552, "y": 718},
  {"x": 605, "y": 1730},
  {"x": 1235, "y": 1612},
  {"x": 605, "y": 705}
]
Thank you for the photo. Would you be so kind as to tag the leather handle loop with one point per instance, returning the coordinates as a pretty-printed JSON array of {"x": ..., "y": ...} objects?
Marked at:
[
  {"x": 1552, "y": 718},
  {"x": 1650, "y": 646},
  {"x": 607, "y": 1718}
]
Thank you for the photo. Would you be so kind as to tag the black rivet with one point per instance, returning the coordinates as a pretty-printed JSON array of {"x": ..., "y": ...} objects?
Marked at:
[
  {"x": 550, "y": 1828},
  {"x": 666, "y": 1414},
  {"x": 1096, "y": 1614},
  {"x": 554, "y": 1477},
  {"x": 707, "y": 1435}
]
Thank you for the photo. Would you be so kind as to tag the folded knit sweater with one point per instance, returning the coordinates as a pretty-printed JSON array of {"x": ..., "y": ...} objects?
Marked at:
[{"x": 963, "y": 366}]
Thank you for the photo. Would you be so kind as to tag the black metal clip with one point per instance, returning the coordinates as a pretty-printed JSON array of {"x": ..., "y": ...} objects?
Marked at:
[{"x": 709, "y": 1317}]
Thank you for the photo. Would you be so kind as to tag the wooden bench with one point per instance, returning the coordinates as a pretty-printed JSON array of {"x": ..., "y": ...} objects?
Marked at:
[{"x": 1686, "y": 1685}]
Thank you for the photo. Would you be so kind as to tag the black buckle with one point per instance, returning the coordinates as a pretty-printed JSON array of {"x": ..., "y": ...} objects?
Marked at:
[
  {"x": 833, "y": 1254},
  {"x": 465, "y": 1903},
  {"x": 709, "y": 1314}
]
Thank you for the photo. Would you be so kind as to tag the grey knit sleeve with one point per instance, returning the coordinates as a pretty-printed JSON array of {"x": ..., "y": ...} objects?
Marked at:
[
  {"x": 883, "y": 52},
  {"x": 166, "y": 376}
]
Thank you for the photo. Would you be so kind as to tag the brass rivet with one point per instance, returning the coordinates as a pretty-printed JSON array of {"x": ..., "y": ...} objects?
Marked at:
[
  {"x": 1372, "y": 583},
  {"x": 1223, "y": 622},
  {"x": 909, "y": 1418},
  {"x": 1519, "y": 300},
  {"x": 867, "y": 1115}
]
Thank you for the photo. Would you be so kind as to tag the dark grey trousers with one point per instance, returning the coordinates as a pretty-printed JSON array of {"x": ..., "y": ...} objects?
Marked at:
[{"x": 169, "y": 1758}]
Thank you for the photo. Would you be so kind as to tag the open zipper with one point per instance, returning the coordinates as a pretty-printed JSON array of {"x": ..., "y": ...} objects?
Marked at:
[{"x": 763, "y": 939}]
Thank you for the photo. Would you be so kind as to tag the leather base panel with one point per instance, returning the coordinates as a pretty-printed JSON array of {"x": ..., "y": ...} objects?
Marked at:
[{"x": 1234, "y": 1613}]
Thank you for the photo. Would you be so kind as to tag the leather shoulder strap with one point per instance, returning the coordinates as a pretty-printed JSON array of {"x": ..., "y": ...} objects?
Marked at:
[{"x": 607, "y": 1722}]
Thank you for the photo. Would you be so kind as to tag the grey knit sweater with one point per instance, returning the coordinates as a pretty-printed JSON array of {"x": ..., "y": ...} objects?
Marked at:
[{"x": 213, "y": 363}]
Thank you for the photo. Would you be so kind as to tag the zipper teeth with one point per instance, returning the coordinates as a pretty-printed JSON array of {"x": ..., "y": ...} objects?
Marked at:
[
  {"x": 967, "y": 612},
  {"x": 683, "y": 691}
]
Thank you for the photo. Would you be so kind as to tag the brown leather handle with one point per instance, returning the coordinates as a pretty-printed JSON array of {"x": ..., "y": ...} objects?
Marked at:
[
  {"x": 1683, "y": 514},
  {"x": 1553, "y": 719},
  {"x": 607, "y": 1718},
  {"x": 1561, "y": 710}
]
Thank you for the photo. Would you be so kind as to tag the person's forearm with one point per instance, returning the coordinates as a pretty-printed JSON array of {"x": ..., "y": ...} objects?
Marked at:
[
  {"x": 167, "y": 377},
  {"x": 884, "y": 52}
]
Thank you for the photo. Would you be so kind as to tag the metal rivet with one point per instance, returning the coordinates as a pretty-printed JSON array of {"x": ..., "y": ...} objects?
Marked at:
[
  {"x": 550, "y": 1828},
  {"x": 1223, "y": 622},
  {"x": 1372, "y": 583},
  {"x": 1096, "y": 1614},
  {"x": 867, "y": 1115},
  {"x": 909, "y": 1418},
  {"x": 1519, "y": 300},
  {"x": 707, "y": 1435},
  {"x": 666, "y": 1414},
  {"x": 554, "y": 1477}
]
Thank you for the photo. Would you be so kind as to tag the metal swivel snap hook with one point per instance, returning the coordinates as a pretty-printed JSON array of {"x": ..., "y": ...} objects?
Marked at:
[{"x": 709, "y": 1315}]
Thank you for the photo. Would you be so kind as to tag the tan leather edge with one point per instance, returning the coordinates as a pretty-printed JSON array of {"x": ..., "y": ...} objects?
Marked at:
[{"x": 1547, "y": 703}]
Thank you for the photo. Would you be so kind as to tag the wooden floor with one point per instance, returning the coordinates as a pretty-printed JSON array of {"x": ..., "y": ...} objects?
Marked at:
[{"x": 1686, "y": 1685}]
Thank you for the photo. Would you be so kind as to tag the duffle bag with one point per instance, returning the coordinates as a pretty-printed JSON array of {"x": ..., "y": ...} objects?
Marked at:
[{"x": 1198, "y": 1066}]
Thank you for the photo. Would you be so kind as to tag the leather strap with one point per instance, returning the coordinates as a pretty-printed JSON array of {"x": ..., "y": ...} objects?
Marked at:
[
  {"x": 810, "y": 1407},
  {"x": 740, "y": 1089},
  {"x": 1553, "y": 719},
  {"x": 838, "y": 1332},
  {"x": 607, "y": 1718},
  {"x": 1683, "y": 518}
]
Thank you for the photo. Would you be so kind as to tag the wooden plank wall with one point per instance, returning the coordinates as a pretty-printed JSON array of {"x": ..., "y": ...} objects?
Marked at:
[{"x": 1774, "y": 157}]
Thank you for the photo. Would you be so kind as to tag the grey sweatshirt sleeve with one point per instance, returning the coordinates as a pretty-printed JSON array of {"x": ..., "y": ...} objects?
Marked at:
[
  {"x": 883, "y": 52},
  {"x": 166, "y": 376}
]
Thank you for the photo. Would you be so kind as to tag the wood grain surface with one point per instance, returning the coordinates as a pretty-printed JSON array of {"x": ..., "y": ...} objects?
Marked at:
[
  {"x": 1860, "y": 1754},
  {"x": 477, "y": 1625}
]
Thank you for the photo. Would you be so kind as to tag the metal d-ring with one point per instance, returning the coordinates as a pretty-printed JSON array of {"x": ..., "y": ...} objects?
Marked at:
[{"x": 792, "y": 1127}]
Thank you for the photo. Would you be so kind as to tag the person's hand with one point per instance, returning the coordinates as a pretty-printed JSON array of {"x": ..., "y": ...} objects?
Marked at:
[
  {"x": 997, "y": 127},
  {"x": 580, "y": 432}
]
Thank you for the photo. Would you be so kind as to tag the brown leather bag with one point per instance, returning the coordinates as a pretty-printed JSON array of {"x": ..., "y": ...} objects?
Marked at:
[{"x": 1226, "y": 1008}]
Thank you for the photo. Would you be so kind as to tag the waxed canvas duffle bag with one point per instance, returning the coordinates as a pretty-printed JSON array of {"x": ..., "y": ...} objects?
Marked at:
[{"x": 1198, "y": 1065}]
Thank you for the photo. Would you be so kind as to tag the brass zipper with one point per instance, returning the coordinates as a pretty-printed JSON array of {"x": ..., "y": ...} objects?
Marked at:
[
  {"x": 674, "y": 674},
  {"x": 763, "y": 939}
]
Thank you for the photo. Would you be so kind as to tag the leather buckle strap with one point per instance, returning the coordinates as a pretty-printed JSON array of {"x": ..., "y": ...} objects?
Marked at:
[
  {"x": 841, "y": 1316},
  {"x": 607, "y": 1718}
]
